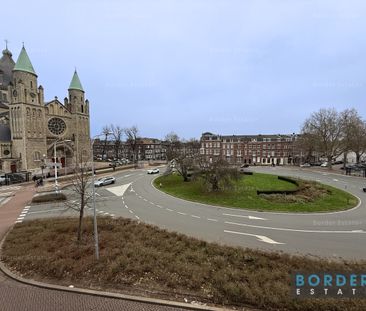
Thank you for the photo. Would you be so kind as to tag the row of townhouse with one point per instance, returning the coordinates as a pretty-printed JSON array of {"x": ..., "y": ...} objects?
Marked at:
[
  {"x": 249, "y": 149},
  {"x": 146, "y": 149}
]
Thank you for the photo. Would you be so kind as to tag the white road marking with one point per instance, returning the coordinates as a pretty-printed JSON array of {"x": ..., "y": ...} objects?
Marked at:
[
  {"x": 293, "y": 230},
  {"x": 168, "y": 209},
  {"x": 18, "y": 221},
  {"x": 152, "y": 203},
  {"x": 335, "y": 179},
  {"x": 5, "y": 194},
  {"x": 48, "y": 211},
  {"x": 261, "y": 238},
  {"x": 119, "y": 190},
  {"x": 159, "y": 206},
  {"x": 137, "y": 217},
  {"x": 130, "y": 211},
  {"x": 244, "y": 216},
  {"x": 211, "y": 219},
  {"x": 145, "y": 200},
  {"x": 97, "y": 194},
  {"x": 194, "y": 216},
  {"x": 180, "y": 213},
  {"x": 112, "y": 215}
]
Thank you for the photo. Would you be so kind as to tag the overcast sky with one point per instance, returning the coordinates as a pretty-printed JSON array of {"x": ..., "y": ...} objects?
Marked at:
[{"x": 190, "y": 66}]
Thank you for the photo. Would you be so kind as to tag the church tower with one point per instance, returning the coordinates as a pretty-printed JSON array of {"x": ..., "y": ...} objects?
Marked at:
[
  {"x": 79, "y": 107},
  {"x": 26, "y": 114}
]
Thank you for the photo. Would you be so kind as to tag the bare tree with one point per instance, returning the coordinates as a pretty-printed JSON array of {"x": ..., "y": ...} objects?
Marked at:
[
  {"x": 117, "y": 133},
  {"x": 217, "y": 174},
  {"x": 326, "y": 129},
  {"x": 132, "y": 134},
  {"x": 173, "y": 144},
  {"x": 304, "y": 147},
  {"x": 105, "y": 131},
  {"x": 355, "y": 133},
  {"x": 79, "y": 188}
]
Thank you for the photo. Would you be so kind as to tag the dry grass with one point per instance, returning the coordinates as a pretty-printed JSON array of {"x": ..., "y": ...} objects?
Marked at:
[
  {"x": 142, "y": 259},
  {"x": 49, "y": 197},
  {"x": 308, "y": 192}
]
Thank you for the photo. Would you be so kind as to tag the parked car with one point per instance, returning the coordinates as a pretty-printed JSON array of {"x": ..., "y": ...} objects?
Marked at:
[
  {"x": 337, "y": 162},
  {"x": 153, "y": 171},
  {"x": 324, "y": 164},
  {"x": 316, "y": 163},
  {"x": 15, "y": 178},
  {"x": 305, "y": 165},
  {"x": 3, "y": 180},
  {"x": 104, "y": 181}
]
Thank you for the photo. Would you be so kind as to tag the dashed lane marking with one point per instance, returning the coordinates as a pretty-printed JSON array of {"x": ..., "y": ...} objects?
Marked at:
[
  {"x": 169, "y": 210},
  {"x": 194, "y": 216},
  {"x": 180, "y": 213},
  {"x": 211, "y": 219}
]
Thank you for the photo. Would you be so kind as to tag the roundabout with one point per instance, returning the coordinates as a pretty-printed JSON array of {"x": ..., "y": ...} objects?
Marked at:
[{"x": 335, "y": 235}]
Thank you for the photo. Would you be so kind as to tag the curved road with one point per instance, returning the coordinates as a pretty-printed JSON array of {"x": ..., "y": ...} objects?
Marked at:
[{"x": 339, "y": 234}]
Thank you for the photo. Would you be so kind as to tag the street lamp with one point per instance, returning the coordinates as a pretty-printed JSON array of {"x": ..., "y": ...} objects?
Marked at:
[
  {"x": 55, "y": 160},
  {"x": 93, "y": 187}
]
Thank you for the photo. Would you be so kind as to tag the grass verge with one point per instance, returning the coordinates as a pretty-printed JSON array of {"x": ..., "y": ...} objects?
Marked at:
[
  {"x": 244, "y": 194},
  {"x": 142, "y": 259}
]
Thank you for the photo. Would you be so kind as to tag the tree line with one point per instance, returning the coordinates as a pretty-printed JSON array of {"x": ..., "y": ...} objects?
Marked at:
[{"x": 330, "y": 134}]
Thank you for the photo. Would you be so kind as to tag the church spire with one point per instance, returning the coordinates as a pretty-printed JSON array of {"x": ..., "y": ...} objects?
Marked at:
[
  {"x": 23, "y": 63},
  {"x": 75, "y": 83}
]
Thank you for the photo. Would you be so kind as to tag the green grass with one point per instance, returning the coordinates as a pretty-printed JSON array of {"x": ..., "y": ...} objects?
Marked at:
[
  {"x": 144, "y": 260},
  {"x": 244, "y": 194}
]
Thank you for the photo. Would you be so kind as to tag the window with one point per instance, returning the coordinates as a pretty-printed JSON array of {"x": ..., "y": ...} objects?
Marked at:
[
  {"x": 56, "y": 126},
  {"x": 37, "y": 156}
]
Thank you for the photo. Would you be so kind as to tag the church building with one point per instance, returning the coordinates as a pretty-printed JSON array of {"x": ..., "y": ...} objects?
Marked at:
[{"x": 31, "y": 128}]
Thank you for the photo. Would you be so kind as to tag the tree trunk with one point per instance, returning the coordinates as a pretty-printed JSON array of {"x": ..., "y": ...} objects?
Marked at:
[
  {"x": 358, "y": 157},
  {"x": 81, "y": 218}
]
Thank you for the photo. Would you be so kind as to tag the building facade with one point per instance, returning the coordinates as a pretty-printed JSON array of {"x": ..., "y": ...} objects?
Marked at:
[
  {"x": 249, "y": 149},
  {"x": 30, "y": 127},
  {"x": 146, "y": 149}
]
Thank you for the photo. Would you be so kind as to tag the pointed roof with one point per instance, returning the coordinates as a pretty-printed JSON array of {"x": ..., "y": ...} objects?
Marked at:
[
  {"x": 75, "y": 83},
  {"x": 6, "y": 67},
  {"x": 23, "y": 63}
]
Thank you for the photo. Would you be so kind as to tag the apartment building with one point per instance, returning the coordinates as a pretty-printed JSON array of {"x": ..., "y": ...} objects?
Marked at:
[{"x": 249, "y": 149}]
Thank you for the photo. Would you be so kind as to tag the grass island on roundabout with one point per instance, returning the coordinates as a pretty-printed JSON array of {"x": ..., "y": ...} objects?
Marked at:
[{"x": 261, "y": 192}]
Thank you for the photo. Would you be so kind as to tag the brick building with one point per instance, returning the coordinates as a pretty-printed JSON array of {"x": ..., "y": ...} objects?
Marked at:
[
  {"x": 249, "y": 149},
  {"x": 147, "y": 149}
]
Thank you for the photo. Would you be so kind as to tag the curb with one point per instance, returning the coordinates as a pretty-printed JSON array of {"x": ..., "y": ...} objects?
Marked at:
[{"x": 91, "y": 292}]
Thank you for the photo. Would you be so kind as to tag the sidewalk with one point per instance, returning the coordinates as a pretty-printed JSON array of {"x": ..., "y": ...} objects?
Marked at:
[{"x": 10, "y": 211}]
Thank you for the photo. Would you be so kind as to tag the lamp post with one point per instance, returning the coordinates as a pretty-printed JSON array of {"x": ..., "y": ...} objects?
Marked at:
[
  {"x": 93, "y": 187},
  {"x": 55, "y": 160}
]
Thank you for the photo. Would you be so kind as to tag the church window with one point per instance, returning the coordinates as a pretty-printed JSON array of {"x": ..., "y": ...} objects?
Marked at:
[
  {"x": 56, "y": 126},
  {"x": 82, "y": 109},
  {"x": 37, "y": 156},
  {"x": 31, "y": 84}
]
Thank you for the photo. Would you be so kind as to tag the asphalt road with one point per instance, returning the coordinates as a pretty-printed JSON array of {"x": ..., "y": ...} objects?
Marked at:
[{"x": 337, "y": 234}]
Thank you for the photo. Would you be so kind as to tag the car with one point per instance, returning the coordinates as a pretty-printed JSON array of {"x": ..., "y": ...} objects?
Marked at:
[
  {"x": 104, "y": 181},
  {"x": 3, "y": 180},
  {"x": 305, "y": 165},
  {"x": 153, "y": 171},
  {"x": 324, "y": 164},
  {"x": 244, "y": 165}
]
